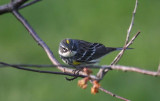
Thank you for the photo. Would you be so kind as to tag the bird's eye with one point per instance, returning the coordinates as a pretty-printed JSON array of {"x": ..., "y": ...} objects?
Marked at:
[{"x": 64, "y": 49}]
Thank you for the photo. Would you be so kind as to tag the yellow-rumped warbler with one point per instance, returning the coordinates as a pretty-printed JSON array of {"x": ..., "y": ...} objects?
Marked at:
[{"x": 79, "y": 52}]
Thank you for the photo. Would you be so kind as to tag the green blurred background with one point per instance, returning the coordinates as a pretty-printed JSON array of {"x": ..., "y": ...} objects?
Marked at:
[{"x": 104, "y": 21}]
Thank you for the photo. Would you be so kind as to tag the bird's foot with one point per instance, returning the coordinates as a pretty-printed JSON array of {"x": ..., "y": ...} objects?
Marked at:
[{"x": 75, "y": 72}]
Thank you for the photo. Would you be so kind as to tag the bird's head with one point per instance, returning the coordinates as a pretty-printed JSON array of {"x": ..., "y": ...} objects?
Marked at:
[{"x": 67, "y": 48}]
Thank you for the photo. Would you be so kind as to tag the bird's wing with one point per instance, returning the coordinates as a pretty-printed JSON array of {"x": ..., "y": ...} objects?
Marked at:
[{"x": 90, "y": 51}]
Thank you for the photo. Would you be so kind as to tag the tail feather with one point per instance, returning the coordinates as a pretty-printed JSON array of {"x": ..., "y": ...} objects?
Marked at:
[
  {"x": 122, "y": 48},
  {"x": 111, "y": 49}
]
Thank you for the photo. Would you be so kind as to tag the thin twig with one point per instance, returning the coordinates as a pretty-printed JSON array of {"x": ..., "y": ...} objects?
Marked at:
[
  {"x": 40, "y": 71},
  {"x": 117, "y": 58},
  {"x": 135, "y": 69},
  {"x": 28, "y": 4},
  {"x": 114, "y": 95},
  {"x": 30, "y": 65},
  {"x": 126, "y": 45},
  {"x": 45, "y": 66},
  {"x": 103, "y": 71},
  {"x": 132, "y": 22},
  {"x": 128, "y": 35}
]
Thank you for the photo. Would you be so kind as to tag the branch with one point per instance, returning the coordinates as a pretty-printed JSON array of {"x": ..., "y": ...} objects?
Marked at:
[
  {"x": 126, "y": 45},
  {"x": 29, "y": 65},
  {"x": 12, "y": 5},
  {"x": 117, "y": 58},
  {"x": 28, "y": 4},
  {"x": 135, "y": 69},
  {"x": 132, "y": 22},
  {"x": 102, "y": 72},
  {"x": 39, "y": 71},
  {"x": 45, "y": 65},
  {"x": 112, "y": 67},
  {"x": 114, "y": 95},
  {"x": 37, "y": 38},
  {"x": 18, "y": 4}
]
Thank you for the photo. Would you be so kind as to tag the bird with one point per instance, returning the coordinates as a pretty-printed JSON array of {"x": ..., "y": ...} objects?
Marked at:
[{"x": 79, "y": 52}]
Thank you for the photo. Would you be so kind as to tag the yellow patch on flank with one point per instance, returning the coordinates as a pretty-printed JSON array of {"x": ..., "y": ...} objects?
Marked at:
[
  {"x": 67, "y": 41},
  {"x": 76, "y": 63}
]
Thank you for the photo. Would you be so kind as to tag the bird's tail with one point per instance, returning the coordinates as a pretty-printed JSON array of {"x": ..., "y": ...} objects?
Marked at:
[
  {"x": 111, "y": 49},
  {"x": 122, "y": 48}
]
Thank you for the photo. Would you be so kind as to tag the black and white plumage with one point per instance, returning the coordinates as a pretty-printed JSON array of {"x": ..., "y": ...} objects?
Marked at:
[{"x": 77, "y": 52}]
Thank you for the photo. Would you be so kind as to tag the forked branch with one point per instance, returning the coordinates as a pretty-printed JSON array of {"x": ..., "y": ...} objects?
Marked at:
[{"x": 103, "y": 72}]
